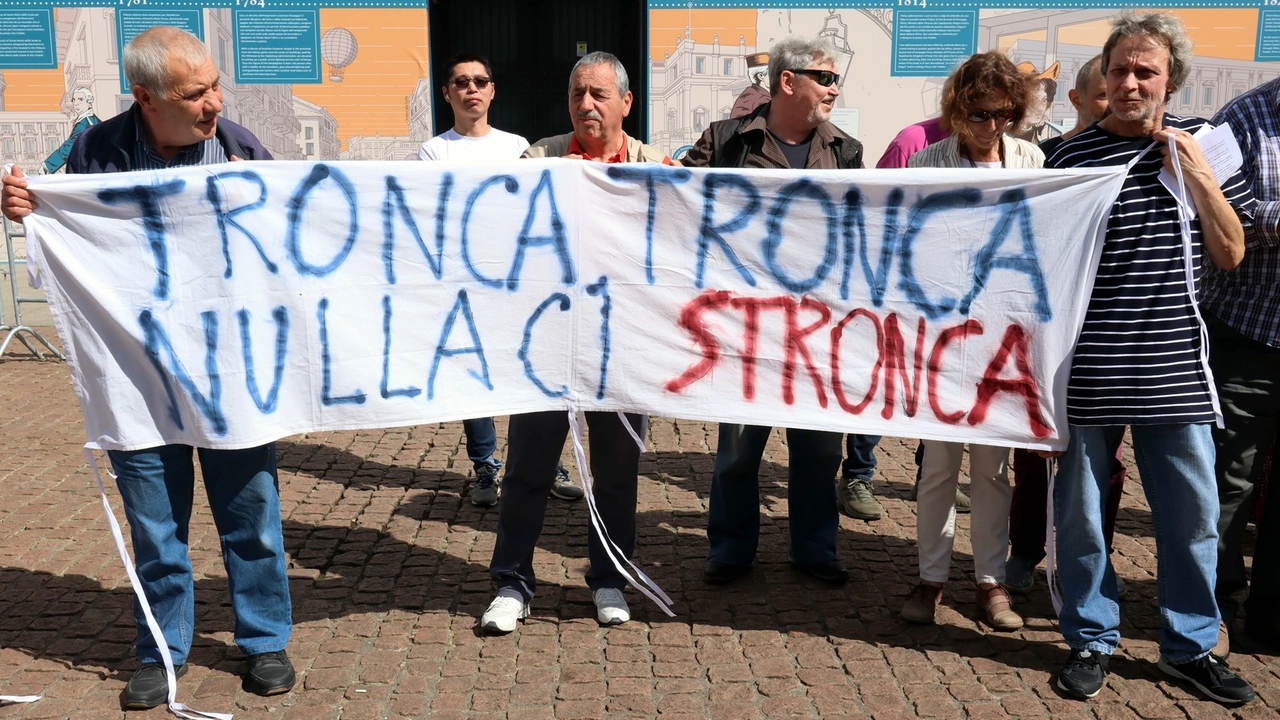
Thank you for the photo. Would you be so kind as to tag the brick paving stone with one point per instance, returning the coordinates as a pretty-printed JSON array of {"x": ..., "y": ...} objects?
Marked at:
[{"x": 389, "y": 573}]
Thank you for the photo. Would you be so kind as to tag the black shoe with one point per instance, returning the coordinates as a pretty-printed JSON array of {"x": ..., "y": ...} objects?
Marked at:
[
  {"x": 1084, "y": 673},
  {"x": 718, "y": 573},
  {"x": 148, "y": 687},
  {"x": 269, "y": 673},
  {"x": 830, "y": 572},
  {"x": 485, "y": 492},
  {"x": 1211, "y": 677}
]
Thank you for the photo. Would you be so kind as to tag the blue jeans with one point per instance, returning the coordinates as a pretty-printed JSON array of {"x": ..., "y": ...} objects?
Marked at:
[
  {"x": 861, "y": 461},
  {"x": 733, "y": 527},
  {"x": 482, "y": 441},
  {"x": 1176, "y": 465},
  {"x": 157, "y": 485}
]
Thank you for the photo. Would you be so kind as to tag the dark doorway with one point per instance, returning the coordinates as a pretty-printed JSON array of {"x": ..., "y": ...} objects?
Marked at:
[{"x": 532, "y": 46}]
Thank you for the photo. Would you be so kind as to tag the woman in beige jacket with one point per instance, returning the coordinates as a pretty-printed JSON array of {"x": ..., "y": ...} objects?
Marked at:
[{"x": 984, "y": 97}]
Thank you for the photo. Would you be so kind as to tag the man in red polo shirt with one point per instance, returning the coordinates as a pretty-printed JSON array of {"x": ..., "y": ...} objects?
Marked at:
[{"x": 599, "y": 99}]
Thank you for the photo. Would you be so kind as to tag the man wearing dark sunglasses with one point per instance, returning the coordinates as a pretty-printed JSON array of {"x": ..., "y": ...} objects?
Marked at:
[
  {"x": 469, "y": 90},
  {"x": 792, "y": 131}
]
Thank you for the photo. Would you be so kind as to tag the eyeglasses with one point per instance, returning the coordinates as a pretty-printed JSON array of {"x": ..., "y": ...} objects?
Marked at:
[
  {"x": 825, "y": 78},
  {"x": 999, "y": 116},
  {"x": 462, "y": 82}
]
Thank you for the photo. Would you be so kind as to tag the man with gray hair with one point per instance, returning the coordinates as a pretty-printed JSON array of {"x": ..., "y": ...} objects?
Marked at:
[
  {"x": 173, "y": 123},
  {"x": 1141, "y": 360},
  {"x": 599, "y": 98},
  {"x": 793, "y": 130}
]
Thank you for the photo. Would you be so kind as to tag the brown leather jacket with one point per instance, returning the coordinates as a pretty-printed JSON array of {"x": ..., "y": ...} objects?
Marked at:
[{"x": 727, "y": 138}]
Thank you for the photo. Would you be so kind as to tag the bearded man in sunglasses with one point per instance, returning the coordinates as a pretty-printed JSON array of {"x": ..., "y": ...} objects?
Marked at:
[{"x": 793, "y": 130}]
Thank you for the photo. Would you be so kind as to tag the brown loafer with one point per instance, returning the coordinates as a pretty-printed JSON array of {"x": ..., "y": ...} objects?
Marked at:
[
  {"x": 922, "y": 607},
  {"x": 996, "y": 608},
  {"x": 1223, "y": 648}
]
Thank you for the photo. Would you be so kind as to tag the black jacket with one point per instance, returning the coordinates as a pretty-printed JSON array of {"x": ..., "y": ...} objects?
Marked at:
[{"x": 108, "y": 146}]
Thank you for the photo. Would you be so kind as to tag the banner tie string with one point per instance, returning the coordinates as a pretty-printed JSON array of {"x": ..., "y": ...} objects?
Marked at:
[
  {"x": 162, "y": 645},
  {"x": 1184, "y": 221},
  {"x": 1050, "y": 544},
  {"x": 646, "y": 586}
]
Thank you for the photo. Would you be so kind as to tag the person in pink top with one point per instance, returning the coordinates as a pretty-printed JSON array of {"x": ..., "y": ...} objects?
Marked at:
[{"x": 911, "y": 140}]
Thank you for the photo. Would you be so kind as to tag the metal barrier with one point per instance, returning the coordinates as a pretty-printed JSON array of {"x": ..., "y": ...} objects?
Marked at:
[{"x": 17, "y": 329}]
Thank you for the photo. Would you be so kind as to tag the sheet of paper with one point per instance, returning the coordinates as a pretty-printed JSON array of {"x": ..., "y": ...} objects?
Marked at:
[{"x": 1220, "y": 149}]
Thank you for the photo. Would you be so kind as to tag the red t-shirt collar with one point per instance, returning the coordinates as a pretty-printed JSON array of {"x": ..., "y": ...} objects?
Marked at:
[{"x": 618, "y": 157}]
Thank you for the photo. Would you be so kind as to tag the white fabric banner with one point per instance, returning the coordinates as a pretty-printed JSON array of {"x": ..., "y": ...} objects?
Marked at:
[{"x": 228, "y": 306}]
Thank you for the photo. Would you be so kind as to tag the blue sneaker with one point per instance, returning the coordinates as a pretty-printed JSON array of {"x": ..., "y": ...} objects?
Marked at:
[{"x": 1019, "y": 575}]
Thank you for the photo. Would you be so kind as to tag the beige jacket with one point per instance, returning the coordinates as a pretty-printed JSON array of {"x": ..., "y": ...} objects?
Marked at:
[
  {"x": 558, "y": 146},
  {"x": 1018, "y": 155}
]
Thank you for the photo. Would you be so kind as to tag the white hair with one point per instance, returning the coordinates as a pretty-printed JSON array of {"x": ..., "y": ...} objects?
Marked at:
[
  {"x": 150, "y": 56},
  {"x": 86, "y": 92},
  {"x": 795, "y": 53},
  {"x": 603, "y": 58}
]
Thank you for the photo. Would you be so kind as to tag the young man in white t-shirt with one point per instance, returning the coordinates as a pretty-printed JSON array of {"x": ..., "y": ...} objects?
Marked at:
[{"x": 469, "y": 90}]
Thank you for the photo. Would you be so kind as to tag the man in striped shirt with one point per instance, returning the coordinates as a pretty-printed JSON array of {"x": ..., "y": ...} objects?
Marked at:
[
  {"x": 1141, "y": 361},
  {"x": 1243, "y": 312}
]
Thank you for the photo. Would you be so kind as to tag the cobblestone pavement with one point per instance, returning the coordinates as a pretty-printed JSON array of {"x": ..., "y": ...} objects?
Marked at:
[{"x": 388, "y": 573}]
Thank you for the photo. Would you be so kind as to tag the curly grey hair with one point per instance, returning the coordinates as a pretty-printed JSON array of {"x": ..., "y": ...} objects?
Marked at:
[
  {"x": 600, "y": 57},
  {"x": 1164, "y": 28},
  {"x": 795, "y": 53},
  {"x": 150, "y": 55}
]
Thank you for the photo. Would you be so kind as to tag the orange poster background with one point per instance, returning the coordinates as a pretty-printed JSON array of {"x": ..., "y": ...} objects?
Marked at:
[{"x": 372, "y": 97}]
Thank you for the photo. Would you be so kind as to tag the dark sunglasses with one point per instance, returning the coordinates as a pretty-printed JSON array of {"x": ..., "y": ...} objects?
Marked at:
[
  {"x": 825, "y": 78},
  {"x": 998, "y": 115},
  {"x": 462, "y": 82}
]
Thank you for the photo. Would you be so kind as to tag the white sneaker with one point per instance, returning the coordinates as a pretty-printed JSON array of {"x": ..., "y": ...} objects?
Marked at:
[
  {"x": 611, "y": 607},
  {"x": 504, "y": 614}
]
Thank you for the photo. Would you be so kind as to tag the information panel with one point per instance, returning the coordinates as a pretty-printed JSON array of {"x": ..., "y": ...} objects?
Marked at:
[
  {"x": 931, "y": 42},
  {"x": 26, "y": 38},
  {"x": 277, "y": 46},
  {"x": 1268, "y": 48}
]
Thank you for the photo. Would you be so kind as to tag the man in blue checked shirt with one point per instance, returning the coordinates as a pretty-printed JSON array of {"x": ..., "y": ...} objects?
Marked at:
[{"x": 1243, "y": 313}]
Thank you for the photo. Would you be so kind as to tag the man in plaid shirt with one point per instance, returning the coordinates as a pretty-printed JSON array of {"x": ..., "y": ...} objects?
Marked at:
[{"x": 1243, "y": 314}]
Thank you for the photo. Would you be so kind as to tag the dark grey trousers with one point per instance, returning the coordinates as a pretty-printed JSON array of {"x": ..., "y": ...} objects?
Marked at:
[
  {"x": 534, "y": 443},
  {"x": 1247, "y": 374}
]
